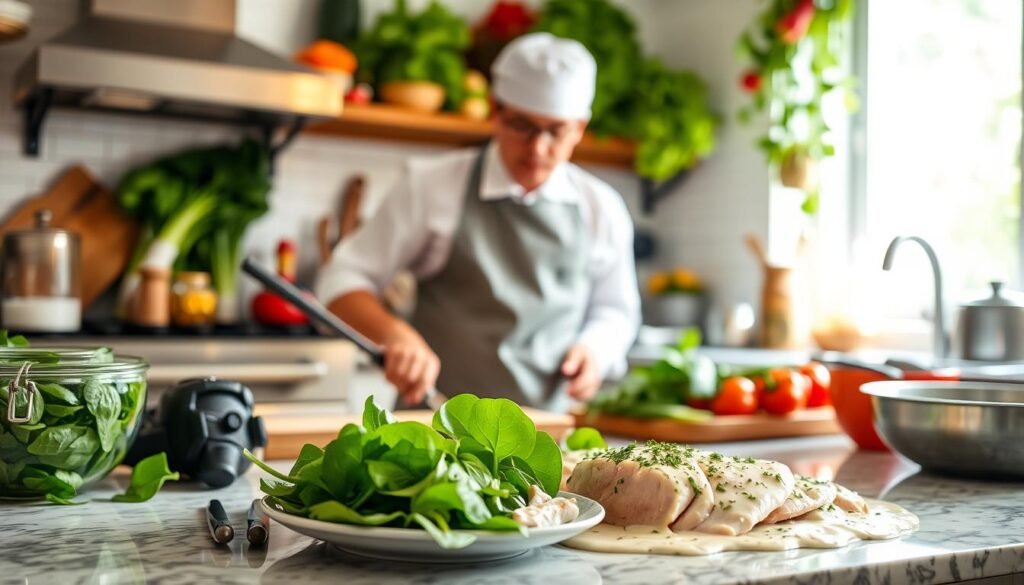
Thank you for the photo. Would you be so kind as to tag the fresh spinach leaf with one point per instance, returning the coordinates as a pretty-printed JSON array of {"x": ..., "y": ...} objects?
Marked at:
[
  {"x": 42, "y": 481},
  {"x": 59, "y": 411},
  {"x": 546, "y": 462},
  {"x": 9, "y": 472},
  {"x": 454, "y": 415},
  {"x": 307, "y": 455},
  {"x": 334, "y": 511},
  {"x": 148, "y": 476},
  {"x": 104, "y": 404},
  {"x": 58, "y": 393},
  {"x": 438, "y": 529},
  {"x": 373, "y": 417},
  {"x": 55, "y": 499},
  {"x": 585, "y": 438},
  {"x": 500, "y": 426},
  {"x": 65, "y": 447}
]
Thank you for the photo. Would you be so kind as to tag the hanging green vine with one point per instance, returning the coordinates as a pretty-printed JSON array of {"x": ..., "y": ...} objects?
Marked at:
[{"x": 794, "y": 48}]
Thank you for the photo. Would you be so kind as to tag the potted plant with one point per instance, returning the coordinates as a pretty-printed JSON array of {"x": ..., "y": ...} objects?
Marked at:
[
  {"x": 676, "y": 298},
  {"x": 794, "y": 50},
  {"x": 415, "y": 60}
]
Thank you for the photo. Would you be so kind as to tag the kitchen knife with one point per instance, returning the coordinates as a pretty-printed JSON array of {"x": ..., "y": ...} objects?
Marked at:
[{"x": 317, "y": 312}]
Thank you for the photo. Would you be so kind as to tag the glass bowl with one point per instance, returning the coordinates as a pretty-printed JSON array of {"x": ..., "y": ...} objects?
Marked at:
[{"x": 70, "y": 421}]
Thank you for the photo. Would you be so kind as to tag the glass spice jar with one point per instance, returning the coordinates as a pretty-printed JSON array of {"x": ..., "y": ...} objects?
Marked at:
[{"x": 193, "y": 300}]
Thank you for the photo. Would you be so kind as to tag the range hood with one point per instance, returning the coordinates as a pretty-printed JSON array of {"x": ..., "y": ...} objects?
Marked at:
[{"x": 179, "y": 58}]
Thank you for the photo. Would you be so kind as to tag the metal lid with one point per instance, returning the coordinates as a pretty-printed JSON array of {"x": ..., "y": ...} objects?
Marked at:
[
  {"x": 59, "y": 361},
  {"x": 997, "y": 299},
  {"x": 42, "y": 230}
]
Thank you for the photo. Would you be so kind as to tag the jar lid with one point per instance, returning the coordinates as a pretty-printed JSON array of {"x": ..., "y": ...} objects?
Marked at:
[
  {"x": 50, "y": 362},
  {"x": 41, "y": 229},
  {"x": 998, "y": 299}
]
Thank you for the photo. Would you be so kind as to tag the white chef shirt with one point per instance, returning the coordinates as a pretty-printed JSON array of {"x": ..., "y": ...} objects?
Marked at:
[{"x": 415, "y": 225}]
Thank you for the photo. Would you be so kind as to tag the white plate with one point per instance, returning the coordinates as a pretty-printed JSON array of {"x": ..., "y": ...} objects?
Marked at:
[{"x": 413, "y": 544}]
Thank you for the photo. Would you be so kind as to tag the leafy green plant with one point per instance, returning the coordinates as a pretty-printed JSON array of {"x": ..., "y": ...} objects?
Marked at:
[
  {"x": 794, "y": 48},
  {"x": 665, "y": 111},
  {"x": 194, "y": 207},
  {"x": 76, "y": 432},
  {"x": 469, "y": 470},
  {"x": 428, "y": 46},
  {"x": 662, "y": 389},
  {"x": 148, "y": 476}
]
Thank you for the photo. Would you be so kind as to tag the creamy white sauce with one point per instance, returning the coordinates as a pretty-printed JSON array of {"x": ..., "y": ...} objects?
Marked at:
[{"x": 819, "y": 529}]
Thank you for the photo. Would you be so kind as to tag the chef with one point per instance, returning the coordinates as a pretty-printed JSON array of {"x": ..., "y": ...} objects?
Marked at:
[{"x": 527, "y": 287}]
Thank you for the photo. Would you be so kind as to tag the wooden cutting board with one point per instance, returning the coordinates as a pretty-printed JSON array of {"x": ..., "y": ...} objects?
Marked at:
[
  {"x": 292, "y": 425},
  {"x": 82, "y": 205},
  {"x": 720, "y": 429}
]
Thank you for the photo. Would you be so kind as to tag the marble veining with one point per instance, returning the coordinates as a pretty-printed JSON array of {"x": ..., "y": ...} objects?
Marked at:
[{"x": 969, "y": 529}]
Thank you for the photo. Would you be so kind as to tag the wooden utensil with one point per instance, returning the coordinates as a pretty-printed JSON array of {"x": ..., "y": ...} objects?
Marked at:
[
  {"x": 80, "y": 204},
  {"x": 348, "y": 218},
  {"x": 778, "y": 323}
]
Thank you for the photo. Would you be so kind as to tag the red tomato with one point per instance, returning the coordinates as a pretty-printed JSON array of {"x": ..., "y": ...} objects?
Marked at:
[
  {"x": 787, "y": 393},
  {"x": 737, "y": 395},
  {"x": 820, "y": 382}
]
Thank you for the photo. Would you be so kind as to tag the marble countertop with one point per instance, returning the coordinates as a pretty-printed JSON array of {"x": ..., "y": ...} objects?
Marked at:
[{"x": 969, "y": 529}]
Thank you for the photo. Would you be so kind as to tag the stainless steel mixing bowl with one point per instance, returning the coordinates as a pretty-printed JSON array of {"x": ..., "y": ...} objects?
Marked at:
[{"x": 971, "y": 429}]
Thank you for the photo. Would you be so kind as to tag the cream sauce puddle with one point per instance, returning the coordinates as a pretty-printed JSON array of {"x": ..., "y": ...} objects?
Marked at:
[{"x": 819, "y": 529}]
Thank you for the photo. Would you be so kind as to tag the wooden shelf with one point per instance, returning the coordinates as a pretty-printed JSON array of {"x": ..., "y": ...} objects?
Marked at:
[{"x": 385, "y": 122}]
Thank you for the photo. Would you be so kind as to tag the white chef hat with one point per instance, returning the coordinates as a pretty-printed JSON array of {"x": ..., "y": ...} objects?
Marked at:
[{"x": 546, "y": 75}]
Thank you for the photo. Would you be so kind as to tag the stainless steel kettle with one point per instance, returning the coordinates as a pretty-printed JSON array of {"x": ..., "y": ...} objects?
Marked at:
[{"x": 992, "y": 329}]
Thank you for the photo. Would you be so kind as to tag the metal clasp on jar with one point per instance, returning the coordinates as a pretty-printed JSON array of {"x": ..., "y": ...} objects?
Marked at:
[{"x": 12, "y": 392}]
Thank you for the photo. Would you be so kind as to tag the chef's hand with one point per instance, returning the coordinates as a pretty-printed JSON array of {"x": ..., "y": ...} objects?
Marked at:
[
  {"x": 411, "y": 366},
  {"x": 580, "y": 367}
]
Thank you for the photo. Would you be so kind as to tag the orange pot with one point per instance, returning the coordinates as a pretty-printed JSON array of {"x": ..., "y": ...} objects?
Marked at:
[{"x": 853, "y": 408}]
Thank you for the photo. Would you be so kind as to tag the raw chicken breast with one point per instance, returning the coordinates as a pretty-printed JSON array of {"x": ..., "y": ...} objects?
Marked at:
[
  {"x": 746, "y": 491},
  {"x": 651, "y": 484},
  {"x": 808, "y": 494}
]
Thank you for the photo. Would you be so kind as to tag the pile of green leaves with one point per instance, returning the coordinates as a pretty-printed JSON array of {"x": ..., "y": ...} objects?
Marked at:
[
  {"x": 76, "y": 432},
  {"x": 468, "y": 470},
  {"x": 663, "y": 389},
  {"x": 402, "y": 46},
  {"x": 198, "y": 204},
  {"x": 665, "y": 111}
]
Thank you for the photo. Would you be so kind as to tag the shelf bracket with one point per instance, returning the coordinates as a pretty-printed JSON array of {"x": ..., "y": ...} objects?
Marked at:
[
  {"x": 36, "y": 108},
  {"x": 652, "y": 193},
  {"x": 273, "y": 149}
]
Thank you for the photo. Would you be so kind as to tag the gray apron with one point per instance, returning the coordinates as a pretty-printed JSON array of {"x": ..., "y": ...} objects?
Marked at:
[{"x": 510, "y": 301}]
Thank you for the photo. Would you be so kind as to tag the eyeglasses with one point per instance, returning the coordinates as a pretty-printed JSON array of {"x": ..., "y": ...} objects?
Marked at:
[{"x": 525, "y": 130}]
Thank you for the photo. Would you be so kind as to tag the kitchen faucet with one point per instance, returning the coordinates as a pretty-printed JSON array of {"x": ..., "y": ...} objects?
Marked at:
[{"x": 939, "y": 331}]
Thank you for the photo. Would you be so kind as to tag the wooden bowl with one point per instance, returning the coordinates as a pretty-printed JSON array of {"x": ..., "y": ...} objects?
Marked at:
[{"x": 422, "y": 96}]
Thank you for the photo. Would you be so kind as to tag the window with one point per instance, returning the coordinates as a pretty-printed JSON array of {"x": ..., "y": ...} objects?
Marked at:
[{"x": 942, "y": 114}]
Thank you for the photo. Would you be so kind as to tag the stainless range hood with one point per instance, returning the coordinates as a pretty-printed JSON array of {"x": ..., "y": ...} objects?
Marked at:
[{"x": 177, "y": 58}]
